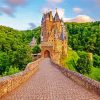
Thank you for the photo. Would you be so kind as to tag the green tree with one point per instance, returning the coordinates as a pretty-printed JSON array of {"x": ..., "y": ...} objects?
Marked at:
[
  {"x": 36, "y": 49},
  {"x": 84, "y": 36},
  {"x": 83, "y": 64},
  {"x": 96, "y": 61},
  {"x": 15, "y": 52}
]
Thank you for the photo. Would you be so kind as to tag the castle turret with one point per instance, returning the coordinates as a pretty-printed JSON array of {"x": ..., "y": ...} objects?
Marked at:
[
  {"x": 51, "y": 17},
  {"x": 56, "y": 17}
]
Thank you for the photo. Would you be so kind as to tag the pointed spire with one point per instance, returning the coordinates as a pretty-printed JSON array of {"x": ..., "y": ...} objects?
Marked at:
[
  {"x": 56, "y": 10},
  {"x": 56, "y": 18}
]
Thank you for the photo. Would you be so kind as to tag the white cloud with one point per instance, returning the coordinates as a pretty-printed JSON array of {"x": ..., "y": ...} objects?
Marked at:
[
  {"x": 77, "y": 10},
  {"x": 61, "y": 12},
  {"x": 7, "y": 10},
  {"x": 55, "y": 1},
  {"x": 80, "y": 19},
  {"x": 11, "y": 5}
]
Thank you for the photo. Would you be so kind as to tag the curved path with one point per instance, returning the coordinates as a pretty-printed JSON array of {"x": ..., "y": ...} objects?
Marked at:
[{"x": 50, "y": 84}]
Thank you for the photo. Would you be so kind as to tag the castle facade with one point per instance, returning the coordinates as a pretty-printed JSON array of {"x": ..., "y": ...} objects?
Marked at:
[{"x": 53, "y": 37}]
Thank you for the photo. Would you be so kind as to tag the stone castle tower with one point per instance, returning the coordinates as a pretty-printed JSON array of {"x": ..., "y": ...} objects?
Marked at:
[{"x": 53, "y": 37}]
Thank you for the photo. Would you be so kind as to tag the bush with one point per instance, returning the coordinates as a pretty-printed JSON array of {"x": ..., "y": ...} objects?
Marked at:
[
  {"x": 4, "y": 62},
  {"x": 11, "y": 70},
  {"x": 36, "y": 49},
  {"x": 83, "y": 64},
  {"x": 70, "y": 61},
  {"x": 96, "y": 61}
]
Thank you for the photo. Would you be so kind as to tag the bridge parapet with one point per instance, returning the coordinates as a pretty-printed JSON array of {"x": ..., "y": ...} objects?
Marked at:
[
  {"x": 9, "y": 83},
  {"x": 82, "y": 80}
]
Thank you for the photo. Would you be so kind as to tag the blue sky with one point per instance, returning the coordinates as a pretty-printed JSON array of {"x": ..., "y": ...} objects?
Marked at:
[{"x": 27, "y": 14}]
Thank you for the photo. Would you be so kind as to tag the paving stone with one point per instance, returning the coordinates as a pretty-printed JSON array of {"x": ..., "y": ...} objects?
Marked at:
[{"x": 50, "y": 84}]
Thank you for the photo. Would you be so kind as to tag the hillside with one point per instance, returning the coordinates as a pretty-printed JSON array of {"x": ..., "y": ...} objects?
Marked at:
[
  {"x": 14, "y": 51},
  {"x": 29, "y": 34},
  {"x": 82, "y": 38}
]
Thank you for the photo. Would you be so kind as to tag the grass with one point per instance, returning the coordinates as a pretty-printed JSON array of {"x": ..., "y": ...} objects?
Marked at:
[
  {"x": 95, "y": 73},
  {"x": 70, "y": 62}
]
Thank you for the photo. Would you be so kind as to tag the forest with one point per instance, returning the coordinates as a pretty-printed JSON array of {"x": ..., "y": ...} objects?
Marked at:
[
  {"x": 83, "y": 38},
  {"x": 15, "y": 51}
]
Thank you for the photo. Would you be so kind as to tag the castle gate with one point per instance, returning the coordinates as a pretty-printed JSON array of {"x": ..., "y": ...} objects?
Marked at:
[{"x": 46, "y": 54}]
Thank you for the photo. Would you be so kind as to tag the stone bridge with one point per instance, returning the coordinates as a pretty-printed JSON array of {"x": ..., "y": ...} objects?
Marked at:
[{"x": 50, "y": 82}]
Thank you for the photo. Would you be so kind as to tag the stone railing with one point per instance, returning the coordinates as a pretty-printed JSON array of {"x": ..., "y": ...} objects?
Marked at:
[
  {"x": 84, "y": 81},
  {"x": 9, "y": 83}
]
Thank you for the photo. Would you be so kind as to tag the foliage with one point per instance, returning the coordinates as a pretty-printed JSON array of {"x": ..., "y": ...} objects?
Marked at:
[
  {"x": 84, "y": 36},
  {"x": 95, "y": 73},
  {"x": 11, "y": 70},
  {"x": 77, "y": 62},
  {"x": 83, "y": 64},
  {"x": 14, "y": 50},
  {"x": 36, "y": 49},
  {"x": 96, "y": 61},
  {"x": 29, "y": 34},
  {"x": 70, "y": 61}
]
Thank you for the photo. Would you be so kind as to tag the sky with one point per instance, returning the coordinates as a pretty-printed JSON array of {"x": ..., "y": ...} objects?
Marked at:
[{"x": 27, "y": 14}]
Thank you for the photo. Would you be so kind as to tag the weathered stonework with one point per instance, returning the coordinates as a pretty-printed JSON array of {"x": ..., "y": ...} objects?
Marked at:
[
  {"x": 9, "y": 83},
  {"x": 86, "y": 82},
  {"x": 53, "y": 37}
]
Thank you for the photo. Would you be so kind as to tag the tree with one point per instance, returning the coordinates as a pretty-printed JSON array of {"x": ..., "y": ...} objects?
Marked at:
[
  {"x": 15, "y": 52},
  {"x": 96, "y": 61},
  {"x": 84, "y": 36},
  {"x": 83, "y": 64},
  {"x": 36, "y": 49}
]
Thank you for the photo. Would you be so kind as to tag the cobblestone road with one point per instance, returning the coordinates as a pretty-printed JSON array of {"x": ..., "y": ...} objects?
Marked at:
[{"x": 50, "y": 84}]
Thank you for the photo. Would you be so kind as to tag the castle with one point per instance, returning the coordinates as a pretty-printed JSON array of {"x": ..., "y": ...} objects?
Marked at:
[{"x": 53, "y": 37}]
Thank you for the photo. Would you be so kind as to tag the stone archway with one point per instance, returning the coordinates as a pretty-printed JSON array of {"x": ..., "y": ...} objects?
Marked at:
[{"x": 46, "y": 54}]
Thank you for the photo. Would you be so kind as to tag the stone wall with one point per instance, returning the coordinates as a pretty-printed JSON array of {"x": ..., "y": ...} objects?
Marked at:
[
  {"x": 8, "y": 83},
  {"x": 86, "y": 82}
]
